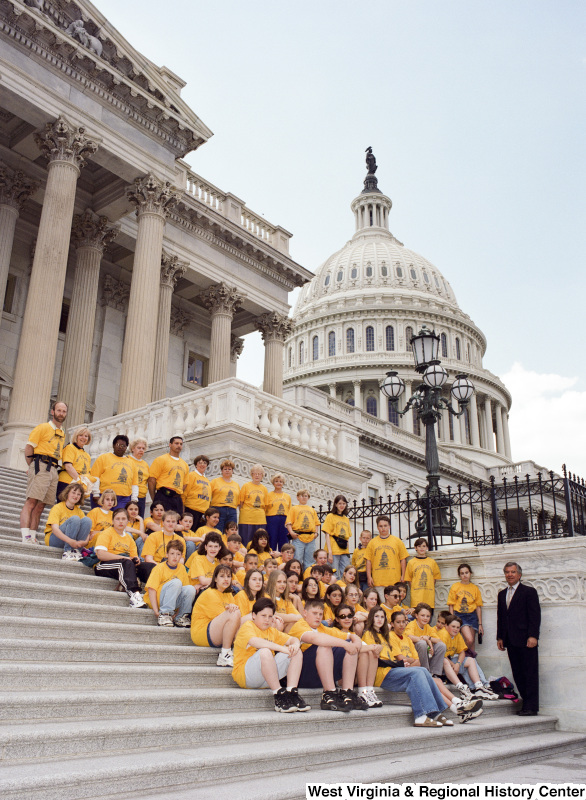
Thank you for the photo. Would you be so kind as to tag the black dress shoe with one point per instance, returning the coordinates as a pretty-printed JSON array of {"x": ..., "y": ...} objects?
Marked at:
[{"x": 526, "y": 712}]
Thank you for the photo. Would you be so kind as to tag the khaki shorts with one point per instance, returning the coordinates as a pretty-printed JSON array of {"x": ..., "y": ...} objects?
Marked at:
[{"x": 43, "y": 485}]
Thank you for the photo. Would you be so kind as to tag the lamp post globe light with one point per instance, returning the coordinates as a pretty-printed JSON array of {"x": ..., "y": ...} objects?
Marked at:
[{"x": 428, "y": 402}]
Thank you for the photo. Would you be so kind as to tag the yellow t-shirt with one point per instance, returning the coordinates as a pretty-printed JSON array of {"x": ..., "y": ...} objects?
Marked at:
[
  {"x": 465, "y": 597},
  {"x": 161, "y": 575},
  {"x": 454, "y": 645},
  {"x": 242, "y": 652},
  {"x": 135, "y": 525},
  {"x": 285, "y": 607},
  {"x": 198, "y": 493},
  {"x": 240, "y": 575},
  {"x": 385, "y": 653},
  {"x": 422, "y": 573},
  {"x": 119, "y": 543},
  {"x": 225, "y": 493},
  {"x": 243, "y": 603},
  {"x": 413, "y": 629},
  {"x": 302, "y": 626},
  {"x": 200, "y": 566},
  {"x": 304, "y": 521},
  {"x": 47, "y": 440},
  {"x": 358, "y": 559},
  {"x": 210, "y": 604},
  {"x": 253, "y": 498},
  {"x": 204, "y": 529},
  {"x": 78, "y": 458},
  {"x": 262, "y": 557},
  {"x": 278, "y": 504},
  {"x": 142, "y": 475},
  {"x": 389, "y": 611},
  {"x": 156, "y": 545},
  {"x": 385, "y": 556},
  {"x": 101, "y": 520},
  {"x": 170, "y": 472},
  {"x": 119, "y": 473},
  {"x": 402, "y": 645},
  {"x": 337, "y": 525},
  {"x": 57, "y": 516}
]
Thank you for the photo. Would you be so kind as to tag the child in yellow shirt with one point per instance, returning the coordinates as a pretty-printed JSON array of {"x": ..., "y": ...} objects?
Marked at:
[
  {"x": 303, "y": 524},
  {"x": 278, "y": 505},
  {"x": 215, "y": 618},
  {"x": 358, "y": 558},
  {"x": 168, "y": 591},
  {"x": 253, "y": 503}
]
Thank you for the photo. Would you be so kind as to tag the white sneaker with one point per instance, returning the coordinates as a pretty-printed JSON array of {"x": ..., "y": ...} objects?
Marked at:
[
  {"x": 225, "y": 660},
  {"x": 465, "y": 693},
  {"x": 29, "y": 539},
  {"x": 71, "y": 555},
  {"x": 136, "y": 601},
  {"x": 373, "y": 700},
  {"x": 486, "y": 693},
  {"x": 165, "y": 620},
  {"x": 183, "y": 621}
]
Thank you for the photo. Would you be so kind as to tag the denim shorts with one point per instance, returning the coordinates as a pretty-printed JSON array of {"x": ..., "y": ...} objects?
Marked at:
[{"x": 469, "y": 619}]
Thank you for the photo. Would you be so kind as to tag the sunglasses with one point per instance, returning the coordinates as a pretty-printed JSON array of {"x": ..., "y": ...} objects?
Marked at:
[{"x": 345, "y": 616}]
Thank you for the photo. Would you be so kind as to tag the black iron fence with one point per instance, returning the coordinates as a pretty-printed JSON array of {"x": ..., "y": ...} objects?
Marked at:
[{"x": 520, "y": 509}]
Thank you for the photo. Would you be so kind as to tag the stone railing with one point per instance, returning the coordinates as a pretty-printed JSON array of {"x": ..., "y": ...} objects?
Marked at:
[
  {"x": 230, "y": 403},
  {"x": 520, "y": 469},
  {"x": 257, "y": 226},
  {"x": 205, "y": 192}
]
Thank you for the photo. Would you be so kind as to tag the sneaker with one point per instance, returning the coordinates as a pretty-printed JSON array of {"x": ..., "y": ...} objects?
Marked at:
[
  {"x": 358, "y": 702},
  {"x": 470, "y": 710},
  {"x": 331, "y": 701},
  {"x": 183, "y": 621},
  {"x": 299, "y": 701},
  {"x": 278, "y": 698},
  {"x": 165, "y": 620},
  {"x": 136, "y": 601},
  {"x": 225, "y": 661},
  {"x": 373, "y": 700},
  {"x": 29, "y": 540},
  {"x": 465, "y": 693},
  {"x": 71, "y": 555},
  {"x": 486, "y": 693},
  {"x": 288, "y": 704}
]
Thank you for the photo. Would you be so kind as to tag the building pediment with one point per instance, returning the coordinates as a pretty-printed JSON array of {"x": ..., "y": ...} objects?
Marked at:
[{"x": 77, "y": 34}]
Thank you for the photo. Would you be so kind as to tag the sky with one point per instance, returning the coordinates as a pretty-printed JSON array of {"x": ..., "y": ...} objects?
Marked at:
[{"x": 476, "y": 114}]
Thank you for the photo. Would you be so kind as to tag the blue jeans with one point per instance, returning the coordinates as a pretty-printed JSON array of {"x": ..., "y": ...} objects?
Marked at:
[
  {"x": 463, "y": 674},
  {"x": 424, "y": 695},
  {"x": 227, "y": 514},
  {"x": 189, "y": 549},
  {"x": 304, "y": 551},
  {"x": 340, "y": 564},
  {"x": 75, "y": 528},
  {"x": 174, "y": 595}
]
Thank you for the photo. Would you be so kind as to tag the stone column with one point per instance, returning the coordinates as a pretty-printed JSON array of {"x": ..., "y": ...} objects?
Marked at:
[
  {"x": 90, "y": 234},
  {"x": 383, "y": 403},
  {"x": 332, "y": 388},
  {"x": 505, "y": 423},
  {"x": 488, "y": 423},
  {"x": 357, "y": 386},
  {"x": 462, "y": 427},
  {"x": 275, "y": 328},
  {"x": 15, "y": 190},
  {"x": 473, "y": 414},
  {"x": 236, "y": 348},
  {"x": 221, "y": 301},
  {"x": 406, "y": 421},
  {"x": 500, "y": 439},
  {"x": 171, "y": 270},
  {"x": 154, "y": 200},
  {"x": 66, "y": 148}
]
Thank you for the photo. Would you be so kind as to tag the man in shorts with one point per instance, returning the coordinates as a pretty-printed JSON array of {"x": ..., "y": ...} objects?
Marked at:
[{"x": 43, "y": 453}]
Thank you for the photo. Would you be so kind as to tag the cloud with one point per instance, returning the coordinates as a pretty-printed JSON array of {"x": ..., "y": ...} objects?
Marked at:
[{"x": 547, "y": 420}]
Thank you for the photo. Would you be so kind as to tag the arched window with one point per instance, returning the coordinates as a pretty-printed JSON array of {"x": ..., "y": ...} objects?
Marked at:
[
  {"x": 370, "y": 339},
  {"x": 354, "y": 273},
  {"x": 390, "y": 337},
  {"x": 350, "y": 401},
  {"x": 290, "y": 357},
  {"x": 327, "y": 281},
  {"x": 331, "y": 343},
  {"x": 413, "y": 274},
  {"x": 408, "y": 337},
  {"x": 425, "y": 276},
  {"x": 340, "y": 275},
  {"x": 350, "y": 340},
  {"x": 301, "y": 352},
  {"x": 458, "y": 353},
  {"x": 369, "y": 271},
  {"x": 371, "y": 406},
  {"x": 468, "y": 353},
  {"x": 444, "y": 341},
  {"x": 399, "y": 272},
  {"x": 315, "y": 348},
  {"x": 383, "y": 271},
  {"x": 393, "y": 414}
]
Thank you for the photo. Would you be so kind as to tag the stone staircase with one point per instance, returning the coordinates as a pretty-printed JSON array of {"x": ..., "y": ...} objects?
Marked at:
[{"x": 97, "y": 702}]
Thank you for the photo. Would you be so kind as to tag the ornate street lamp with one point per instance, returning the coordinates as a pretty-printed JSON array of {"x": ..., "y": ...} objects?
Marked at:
[{"x": 428, "y": 402}]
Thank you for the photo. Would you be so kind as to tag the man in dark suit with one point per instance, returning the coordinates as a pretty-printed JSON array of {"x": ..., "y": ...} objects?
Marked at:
[{"x": 518, "y": 620}]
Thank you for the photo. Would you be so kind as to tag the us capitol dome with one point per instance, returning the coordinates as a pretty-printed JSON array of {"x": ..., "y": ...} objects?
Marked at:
[{"x": 354, "y": 321}]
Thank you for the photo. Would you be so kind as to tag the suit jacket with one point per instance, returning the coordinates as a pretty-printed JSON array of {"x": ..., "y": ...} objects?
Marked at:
[{"x": 521, "y": 619}]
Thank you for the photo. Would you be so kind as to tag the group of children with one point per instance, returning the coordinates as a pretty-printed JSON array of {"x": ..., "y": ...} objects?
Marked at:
[{"x": 283, "y": 614}]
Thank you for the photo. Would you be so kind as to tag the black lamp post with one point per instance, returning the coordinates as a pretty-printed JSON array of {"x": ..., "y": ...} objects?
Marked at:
[{"x": 428, "y": 403}]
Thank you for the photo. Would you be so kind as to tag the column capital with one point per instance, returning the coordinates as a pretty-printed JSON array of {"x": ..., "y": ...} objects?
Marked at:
[
  {"x": 236, "y": 347},
  {"x": 115, "y": 293},
  {"x": 179, "y": 321},
  {"x": 89, "y": 230},
  {"x": 171, "y": 270},
  {"x": 221, "y": 299},
  {"x": 274, "y": 326},
  {"x": 15, "y": 187},
  {"x": 60, "y": 141},
  {"x": 151, "y": 195},
  {"x": 356, "y": 381}
]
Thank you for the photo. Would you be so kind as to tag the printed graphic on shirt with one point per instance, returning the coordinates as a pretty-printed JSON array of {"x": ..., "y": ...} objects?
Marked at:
[{"x": 229, "y": 497}]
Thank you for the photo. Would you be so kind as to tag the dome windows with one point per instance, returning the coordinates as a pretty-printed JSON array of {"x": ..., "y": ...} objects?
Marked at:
[
  {"x": 437, "y": 283},
  {"x": 383, "y": 270},
  {"x": 290, "y": 357},
  {"x": 301, "y": 352},
  {"x": 315, "y": 348},
  {"x": 458, "y": 350},
  {"x": 393, "y": 413},
  {"x": 371, "y": 405},
  {"x": 350, "y": 340},
  {"x": 408, "y": 336},
  {"x": 399, "y": 272},
  {"x": 331, "y": 343},
  {"x": 354, "y": 273},
  {"x": 340, "y": 275},
  {"x": 327, "y": 280},
  {"x": 390, "y": 337},
  {"x": 444, "y": 344},
  {"x": 369, "y": 339},
  {"x": 425, "y": 276},
  {"x": 413, "y": 274},
  {"x": 369, "y": 270}
]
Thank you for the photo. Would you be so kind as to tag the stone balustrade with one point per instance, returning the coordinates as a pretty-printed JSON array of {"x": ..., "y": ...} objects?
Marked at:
[{"x": 205, "y": 192}]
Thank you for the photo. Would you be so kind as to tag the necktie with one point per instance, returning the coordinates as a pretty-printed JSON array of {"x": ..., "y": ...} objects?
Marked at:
[{"x": 510, "y": 594}]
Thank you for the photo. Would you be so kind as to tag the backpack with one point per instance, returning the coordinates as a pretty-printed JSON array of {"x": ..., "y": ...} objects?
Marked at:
[{"x": 505, "y": 689}]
